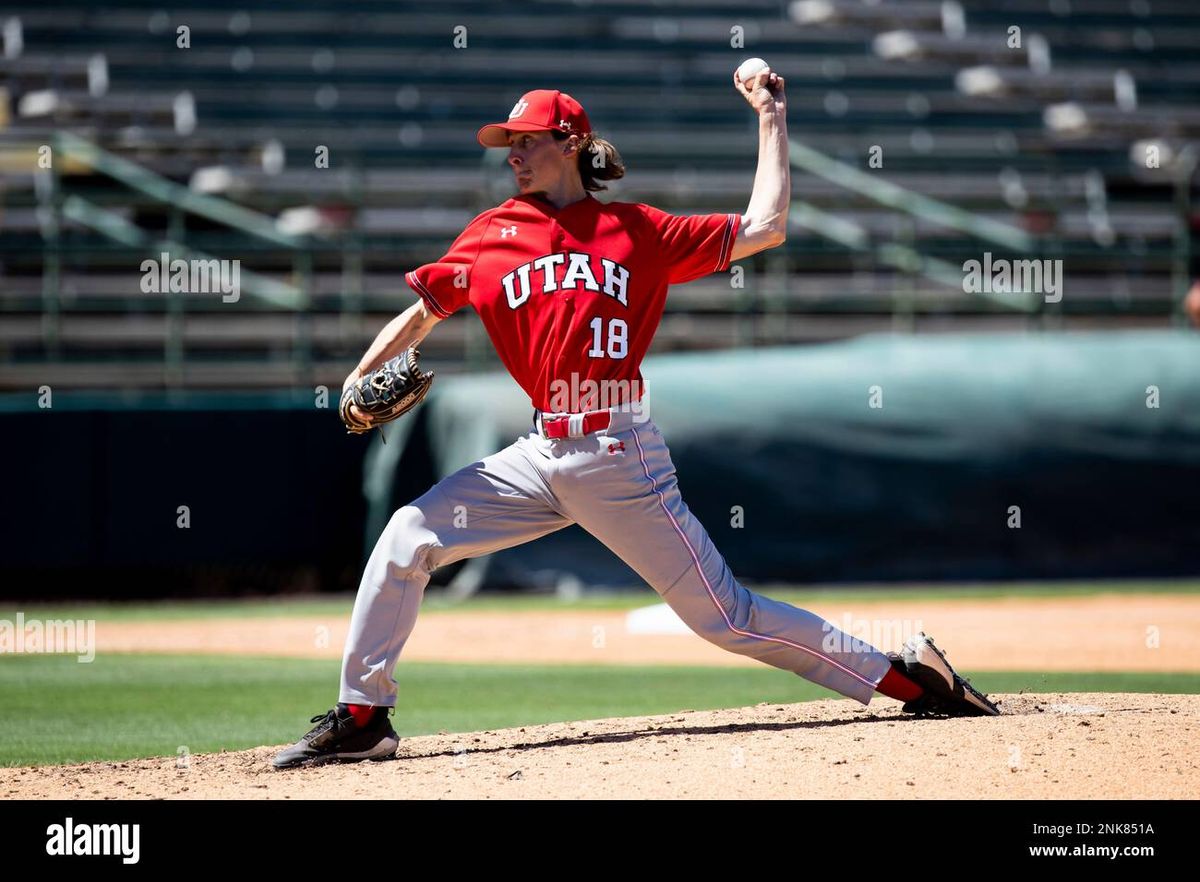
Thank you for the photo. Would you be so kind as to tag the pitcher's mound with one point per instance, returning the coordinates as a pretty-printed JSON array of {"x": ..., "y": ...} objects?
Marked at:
[{"x": 1060, "y": 746}]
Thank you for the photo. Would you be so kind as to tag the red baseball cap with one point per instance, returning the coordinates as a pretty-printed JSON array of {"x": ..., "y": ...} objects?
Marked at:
[{"x": 538, "y": 111}]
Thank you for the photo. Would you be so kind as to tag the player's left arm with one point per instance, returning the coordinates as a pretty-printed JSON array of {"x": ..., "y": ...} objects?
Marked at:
[
  {"x": 407, "y": 329},
  {"x": 764, "y": 225}
]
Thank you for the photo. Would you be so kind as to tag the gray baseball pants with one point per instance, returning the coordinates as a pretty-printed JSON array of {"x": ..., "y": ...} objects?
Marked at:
[{"x": 619, "y": 485}]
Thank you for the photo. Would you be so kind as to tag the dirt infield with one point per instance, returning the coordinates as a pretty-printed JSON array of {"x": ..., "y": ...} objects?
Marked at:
[
  {"x": 1055, "y": 746},
  {"x": 1104, "y": 632}
]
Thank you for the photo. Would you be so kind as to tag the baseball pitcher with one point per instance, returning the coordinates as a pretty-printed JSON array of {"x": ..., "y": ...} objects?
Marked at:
[{"x": 571, "y": 290}]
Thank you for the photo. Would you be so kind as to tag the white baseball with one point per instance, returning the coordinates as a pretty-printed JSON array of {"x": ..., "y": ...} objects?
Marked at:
[{"x": 749, "y": 68}]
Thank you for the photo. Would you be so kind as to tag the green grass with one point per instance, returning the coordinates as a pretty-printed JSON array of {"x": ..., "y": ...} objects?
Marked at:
[
  {"x": 340, "y": 605},
  {"x": 126, "y": 706}
]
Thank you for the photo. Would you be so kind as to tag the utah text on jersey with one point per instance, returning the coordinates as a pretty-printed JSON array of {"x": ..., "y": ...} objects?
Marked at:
[{"x": 521, "y": 282}]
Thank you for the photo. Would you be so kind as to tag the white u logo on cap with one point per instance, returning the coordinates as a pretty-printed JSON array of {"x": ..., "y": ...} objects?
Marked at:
[{"x": 518, "y": 108}]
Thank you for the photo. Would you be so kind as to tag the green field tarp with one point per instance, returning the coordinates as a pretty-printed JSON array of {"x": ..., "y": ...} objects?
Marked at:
[{"x": 885, "y": 457}]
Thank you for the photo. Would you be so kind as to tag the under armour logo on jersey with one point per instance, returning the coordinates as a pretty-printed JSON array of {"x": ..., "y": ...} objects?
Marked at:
[
  {"x": 613, "y": 448},
  {"x": 520, "y": 107},
  {"x": 508, "y": 231}
]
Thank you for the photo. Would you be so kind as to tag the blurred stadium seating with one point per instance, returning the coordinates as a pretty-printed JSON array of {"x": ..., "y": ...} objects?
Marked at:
[{"x": 1038, "y": 149}]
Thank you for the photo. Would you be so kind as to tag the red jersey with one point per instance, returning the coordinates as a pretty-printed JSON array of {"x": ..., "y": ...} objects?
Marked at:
[{"x": 573, "y": 294}]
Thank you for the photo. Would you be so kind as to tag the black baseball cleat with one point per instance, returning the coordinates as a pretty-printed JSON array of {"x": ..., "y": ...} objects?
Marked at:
[
  {"x": 946, "y": 693},
  {"x": 337, "y": 737}
]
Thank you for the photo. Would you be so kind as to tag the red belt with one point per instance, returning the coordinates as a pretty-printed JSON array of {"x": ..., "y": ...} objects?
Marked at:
[{"x": 560, "y": 427}]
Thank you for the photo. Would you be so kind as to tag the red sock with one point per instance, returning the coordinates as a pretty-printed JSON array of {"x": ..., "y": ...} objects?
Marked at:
[
  {"x": 362, "y": 713},
  {"x": 896, "y": 685}
]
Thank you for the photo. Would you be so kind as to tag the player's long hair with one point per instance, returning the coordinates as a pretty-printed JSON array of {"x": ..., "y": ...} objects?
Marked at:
[{"x": 598, "y": 160}]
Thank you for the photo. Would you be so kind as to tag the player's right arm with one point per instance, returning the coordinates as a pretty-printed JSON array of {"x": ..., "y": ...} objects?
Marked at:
[
  {"x": 693, "y": 246},
  {"x": 764, "y": 225}
]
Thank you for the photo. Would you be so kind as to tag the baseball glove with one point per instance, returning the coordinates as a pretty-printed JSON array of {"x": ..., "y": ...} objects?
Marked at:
[{"x": 387, "y": 393}]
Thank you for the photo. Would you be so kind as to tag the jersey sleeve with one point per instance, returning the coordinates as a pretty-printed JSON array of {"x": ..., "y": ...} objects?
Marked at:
[
  {"x": 445, "y": 285},
  {"x": 693, "y": 246}
]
